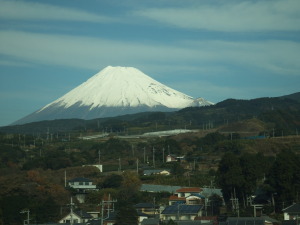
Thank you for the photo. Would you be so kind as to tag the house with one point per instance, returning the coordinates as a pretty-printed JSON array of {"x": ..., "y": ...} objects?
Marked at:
[
  {"x": 82, "y": 184},
  {"x": 156, "y": 172},
  {"x": 185, "y": 192},
  {"x": 195, "y": 199},
  {"x": 77, "y": 216},
  {"x": 189, "y": 196},
  {"x": 174, "y": 200},
  {"x": 292, "y": 212},
  {"x": 146, "y": 208},
  {"x": 181, "y": 212},
  {"x": 142, "y": 217},
  {"x": 171, "y": 158}
]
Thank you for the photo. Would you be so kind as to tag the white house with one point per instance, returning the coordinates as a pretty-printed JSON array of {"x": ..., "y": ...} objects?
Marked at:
[
  {"x": 77, "y": 216},
  {"x": 82, "y": 184},
  {"x": 188, "y": 195}
]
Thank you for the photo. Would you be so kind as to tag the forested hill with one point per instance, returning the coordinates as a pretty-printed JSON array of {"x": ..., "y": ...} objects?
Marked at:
[{"x": 280, "y": 113}]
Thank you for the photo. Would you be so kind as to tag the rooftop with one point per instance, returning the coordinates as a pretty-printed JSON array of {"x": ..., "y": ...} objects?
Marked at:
[
  {"x": 295, "y": 208},
  {"x": 182, "y": 209},
  {"x": 189, "y": 190}
]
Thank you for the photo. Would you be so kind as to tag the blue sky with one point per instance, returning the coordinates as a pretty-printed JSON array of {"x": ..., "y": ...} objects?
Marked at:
[{"x": 208, "y": 48}]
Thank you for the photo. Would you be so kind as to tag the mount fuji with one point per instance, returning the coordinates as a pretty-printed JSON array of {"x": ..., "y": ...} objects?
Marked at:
[{"x": 112, "y": 92}]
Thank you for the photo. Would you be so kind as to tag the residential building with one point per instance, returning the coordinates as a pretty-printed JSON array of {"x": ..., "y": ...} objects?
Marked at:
[
  {"x": 292, "y": 212},
  {"x": 147, "y": 208},
  {"x": 156, "y": 172},
  {"x": 171, "y": 158},
  {"x": 82, "y": 184},
  {"x": 77, "y": 216},
  {"x": 181, "y": 212},
  {"x": 189, "y": 196}
]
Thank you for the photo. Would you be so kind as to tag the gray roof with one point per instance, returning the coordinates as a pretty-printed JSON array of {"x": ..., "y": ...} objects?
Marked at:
[
  {"x": 182, "y": 209},
  {"x": 207, "y": 192},
  {"x": 245, "y": 221},
  {"x": 83, "y": 214},
  {"x": 190, "y": 222},
  {"x": 290, "y": 222},
  {"x": 144, "y": 205},
  {"x": 150, "y": 221},
  {"x": 159, "y": 188},
  {"x": 80, "y": 179},
  {"x": 295, "y": 208}
]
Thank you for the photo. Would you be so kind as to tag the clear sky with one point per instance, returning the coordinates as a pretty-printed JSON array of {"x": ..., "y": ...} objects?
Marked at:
[{"x": 203, "y": 48}]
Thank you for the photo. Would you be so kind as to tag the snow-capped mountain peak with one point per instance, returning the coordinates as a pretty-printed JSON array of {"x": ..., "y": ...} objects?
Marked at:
[
  {"x": 114, "y": 91},
  {"x": 123, "y": 87}
]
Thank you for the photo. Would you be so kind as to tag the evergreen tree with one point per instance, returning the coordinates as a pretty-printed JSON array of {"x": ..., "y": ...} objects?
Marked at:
[
  {"x": 230, "y": 176},
  {"x": 284, "y": 177},
  {"x": 127, "y": 215}
]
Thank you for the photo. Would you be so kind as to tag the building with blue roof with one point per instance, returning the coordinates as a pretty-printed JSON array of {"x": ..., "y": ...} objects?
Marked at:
[{"x": 181, "y": 212}]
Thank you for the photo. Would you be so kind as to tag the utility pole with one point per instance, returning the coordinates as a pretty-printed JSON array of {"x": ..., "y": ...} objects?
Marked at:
[
  {"x": 163, "y": 155},
  {"x": 153, "y": 157},
  {"x": 132, "y": 148},
  {"x": 119, "y": 164},
  {"x": 137, "y": 166},
  {"x": 65, "y": 178},
  {"x": 106, "y": 203},
  {"x": 99, "y": 155},
  {"x": 71, "y": 211},
  {"x": 235, "y": 203},
  {"x": 28, "y": 216}
]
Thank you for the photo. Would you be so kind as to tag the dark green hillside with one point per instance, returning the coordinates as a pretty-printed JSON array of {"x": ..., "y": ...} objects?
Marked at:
[
  {"x": 295, "y": 96},
  {"x": 280, "y": 114}
]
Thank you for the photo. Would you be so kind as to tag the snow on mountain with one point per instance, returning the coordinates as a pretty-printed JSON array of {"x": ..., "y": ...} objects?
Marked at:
[{"x": 114, "y": 91}]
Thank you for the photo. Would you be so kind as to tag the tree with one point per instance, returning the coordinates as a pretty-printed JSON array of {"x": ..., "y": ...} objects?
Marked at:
[
  {"x": 284, "y": 177},
  {"x": 129, "y": 190},
  {"x": 215, "y": 203},
  {"x": 112, "y": 181},
  {"x": 127, "y": 215},
  {"x": 177, "y": 169},
  {"x": 230, "y": 176}
]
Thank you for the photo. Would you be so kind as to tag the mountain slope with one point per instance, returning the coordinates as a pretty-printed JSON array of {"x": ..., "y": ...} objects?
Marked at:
[{"x": 111, "y": 92}]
